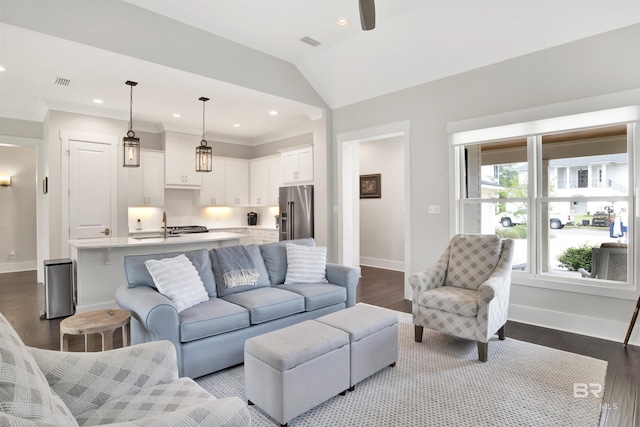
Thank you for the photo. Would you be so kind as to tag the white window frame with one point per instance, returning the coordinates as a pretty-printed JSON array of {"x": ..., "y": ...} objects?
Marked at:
[{"x": 479, "y": 130}]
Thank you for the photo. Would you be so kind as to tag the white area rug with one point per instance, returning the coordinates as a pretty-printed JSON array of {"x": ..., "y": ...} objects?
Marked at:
[{"x": 440, "y": 382}]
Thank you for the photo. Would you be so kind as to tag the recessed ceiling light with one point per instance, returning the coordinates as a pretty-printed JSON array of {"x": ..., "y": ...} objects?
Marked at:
[
  {"x": 98, "y": 101},
  {"x": 177, "y": 115},
  {"x": 342, "y": 22},
  {"x": 273, "y": 112},
  {"x": 236, "y": 125},
  {"x": 2, "y": 68}
]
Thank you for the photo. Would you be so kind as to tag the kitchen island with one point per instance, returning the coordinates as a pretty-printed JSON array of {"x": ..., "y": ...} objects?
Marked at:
[{"x": 97, "y": 263}]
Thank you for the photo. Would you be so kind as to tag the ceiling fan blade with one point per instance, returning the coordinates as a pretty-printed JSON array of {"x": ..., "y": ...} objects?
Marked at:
[{"x": 367, "y": 14}]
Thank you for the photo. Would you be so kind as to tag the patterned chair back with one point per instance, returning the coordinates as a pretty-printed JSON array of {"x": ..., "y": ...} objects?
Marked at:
[{"x": 472, "y": 259}]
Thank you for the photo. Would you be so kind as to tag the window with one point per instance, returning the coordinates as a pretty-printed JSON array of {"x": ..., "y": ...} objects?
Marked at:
[{"x": 565, "y": 197}]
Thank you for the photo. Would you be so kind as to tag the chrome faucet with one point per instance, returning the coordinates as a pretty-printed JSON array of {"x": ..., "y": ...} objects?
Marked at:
[{"x": 164, "y": 221}]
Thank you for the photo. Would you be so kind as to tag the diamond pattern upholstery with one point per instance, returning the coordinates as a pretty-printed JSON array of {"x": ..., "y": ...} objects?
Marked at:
[
  {"x": 131, "y": 386},
  {"x": 466, "y": 292}
]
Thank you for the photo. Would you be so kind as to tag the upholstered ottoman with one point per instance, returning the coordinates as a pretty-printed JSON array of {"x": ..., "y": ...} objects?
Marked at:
[
  {"x": 373, "y": 336},
  {"x": 291, "y": 370}
]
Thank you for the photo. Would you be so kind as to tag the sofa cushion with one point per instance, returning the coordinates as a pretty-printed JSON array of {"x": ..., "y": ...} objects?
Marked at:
[
  {"x": 306, "y": 264},
  {"x": 265, "y": 304},
  {"x": 24, "y": 390},
  {"x": 258, "y": 264},
  {"x": 275, "y": 258},
  {"x": 136, "y": 273},
  {"x": 213, "y": 317},
  {"x": 177, "y": 279},
  {"x": 318, "y": 295}
]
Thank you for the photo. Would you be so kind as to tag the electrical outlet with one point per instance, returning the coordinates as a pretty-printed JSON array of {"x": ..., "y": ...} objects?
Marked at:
[{"x": 434, "y": 209}]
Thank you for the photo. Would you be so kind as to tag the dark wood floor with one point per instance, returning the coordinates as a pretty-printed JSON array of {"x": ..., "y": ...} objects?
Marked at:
[{"x": 22, "y": 303}]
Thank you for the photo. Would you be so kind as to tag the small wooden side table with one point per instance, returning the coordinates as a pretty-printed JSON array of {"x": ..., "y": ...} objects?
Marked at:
[{"x": 102, "y": 322}]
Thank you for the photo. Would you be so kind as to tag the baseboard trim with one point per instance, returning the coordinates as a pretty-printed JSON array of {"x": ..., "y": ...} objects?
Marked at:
[
  {"x": 14, "y": 267},
  {"x": 583, "y": 325},
  {"x": 382, "y": 263},
  {"x": 92, "y": 307}
]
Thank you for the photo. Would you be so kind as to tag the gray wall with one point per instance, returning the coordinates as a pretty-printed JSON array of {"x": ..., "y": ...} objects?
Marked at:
[
  {"x": 18, "y": 209},
  {"x": 604, "y": 64},
  {"x": 21, "y": 128}
]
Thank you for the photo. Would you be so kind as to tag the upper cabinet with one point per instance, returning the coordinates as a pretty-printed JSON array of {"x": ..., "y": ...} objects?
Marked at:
[
  {"x": 237, "y": 185},
  {"x": 180, "y": 161},
  {"x": 146, "y": 183},
  {"x": 265, "y": 177},
  {"x": 297, "y": 165},
  {"x": 213, "y": 191}
]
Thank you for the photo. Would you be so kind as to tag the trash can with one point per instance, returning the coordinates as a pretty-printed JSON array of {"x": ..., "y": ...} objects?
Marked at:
[{"x": 58, "y": 288}]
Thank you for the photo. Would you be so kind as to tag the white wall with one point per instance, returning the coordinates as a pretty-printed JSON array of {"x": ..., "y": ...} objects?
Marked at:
[
  {"x": 605, "y": 64},
  {"x": 18, "y": 209},
  {"x": 382, "y": 220}
]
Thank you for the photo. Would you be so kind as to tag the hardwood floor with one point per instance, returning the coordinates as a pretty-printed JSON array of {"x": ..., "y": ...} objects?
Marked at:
[{"x": 22, "y": 303}]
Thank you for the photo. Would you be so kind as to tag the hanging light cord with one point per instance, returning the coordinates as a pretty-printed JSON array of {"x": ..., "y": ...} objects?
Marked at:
[
  {"x": 204, "y": 141},
  {"x": 131, "y": 110}
]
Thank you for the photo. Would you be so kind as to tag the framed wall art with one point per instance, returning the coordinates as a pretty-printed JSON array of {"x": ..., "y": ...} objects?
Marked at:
[{"x": 370, "y": 187}]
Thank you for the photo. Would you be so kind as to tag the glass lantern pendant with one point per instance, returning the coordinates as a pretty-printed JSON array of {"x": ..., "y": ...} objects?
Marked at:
[
  {"x": 204, "y": 154},
  {"x": 131, "y": 144}
]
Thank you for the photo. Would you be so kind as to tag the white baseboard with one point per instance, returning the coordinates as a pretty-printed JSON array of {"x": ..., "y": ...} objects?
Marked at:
[
  {"x": 583, "y": 325},
  {"x": 382, "y": 263},
  {"x": 92, "y": 307},
  {"x": 12, "y": 267}
]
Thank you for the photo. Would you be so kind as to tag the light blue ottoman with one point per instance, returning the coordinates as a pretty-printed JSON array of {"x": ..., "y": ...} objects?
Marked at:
[
  {"x": 373, "y": 336},
  {"x": 291, "y": 370}
]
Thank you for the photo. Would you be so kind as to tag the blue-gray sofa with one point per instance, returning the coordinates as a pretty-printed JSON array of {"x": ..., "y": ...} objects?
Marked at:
[{"x": 210, "y": 336}]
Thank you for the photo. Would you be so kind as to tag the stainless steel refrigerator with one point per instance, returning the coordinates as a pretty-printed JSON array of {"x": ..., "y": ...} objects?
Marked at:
[{"x": 296, "y": 212}]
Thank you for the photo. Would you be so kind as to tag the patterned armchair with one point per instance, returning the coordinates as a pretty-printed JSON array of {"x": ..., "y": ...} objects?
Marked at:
[
  {"x": 127, "y": 387},
  {"x": 466, "y": 292}
]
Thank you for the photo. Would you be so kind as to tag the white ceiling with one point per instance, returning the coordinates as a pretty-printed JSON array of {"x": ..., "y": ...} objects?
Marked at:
[{"x": 415, "y": 41}]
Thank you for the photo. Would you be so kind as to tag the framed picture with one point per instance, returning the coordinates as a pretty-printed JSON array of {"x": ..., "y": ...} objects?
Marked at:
[{"x": 370, "y": 186}]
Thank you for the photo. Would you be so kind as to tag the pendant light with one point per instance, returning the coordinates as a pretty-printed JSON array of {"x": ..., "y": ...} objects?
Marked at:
[
  {"x": 131, "y": 144},
  {"x": 203, "y": 153}
]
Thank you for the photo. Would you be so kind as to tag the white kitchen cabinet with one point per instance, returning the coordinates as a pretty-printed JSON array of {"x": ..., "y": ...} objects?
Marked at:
[
  {"x": 146, "y": 182},
  {"x": 259, "y": 182},
  {"x": 180, "y": 161},
  {"x": 237, "y": 180},
  {"x": 275, "y": 180},
  {"x": 214, "y": 183},
  {"x": 297, "y": 165}
]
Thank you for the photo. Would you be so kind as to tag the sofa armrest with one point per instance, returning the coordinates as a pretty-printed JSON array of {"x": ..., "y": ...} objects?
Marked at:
[
  {"x": 154, "y": 311},
  {"x": 344, "y": 276},
  {"x": 85, "y": 381},
  {"x": 227, "y": 411}
]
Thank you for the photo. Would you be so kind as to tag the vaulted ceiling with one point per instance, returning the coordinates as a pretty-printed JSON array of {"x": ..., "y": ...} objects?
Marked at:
[{"x": 414, "y": 42}]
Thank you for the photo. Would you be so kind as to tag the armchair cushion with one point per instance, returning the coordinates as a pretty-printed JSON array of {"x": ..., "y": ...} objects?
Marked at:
[
  {"x": 472, "y": 259},
  {"x": 451, "y": 300}
]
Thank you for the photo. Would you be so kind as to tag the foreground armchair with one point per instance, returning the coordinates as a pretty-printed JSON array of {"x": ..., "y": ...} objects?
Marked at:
[
  {"x": 466, "y": 292},
  {"x": 131, "y": 386}
]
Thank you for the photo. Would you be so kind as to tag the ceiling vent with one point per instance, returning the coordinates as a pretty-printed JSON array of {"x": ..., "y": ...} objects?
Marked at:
[
  {"x": 310, "y": 41},
  {"x": 59, "y": 81}
]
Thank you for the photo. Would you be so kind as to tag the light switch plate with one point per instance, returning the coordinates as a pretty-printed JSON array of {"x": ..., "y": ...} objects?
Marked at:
[{"x": 434, "y": 209}]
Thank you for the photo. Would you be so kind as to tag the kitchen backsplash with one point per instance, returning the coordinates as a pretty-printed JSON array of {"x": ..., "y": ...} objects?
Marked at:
[{"x": 182, "y": 209}]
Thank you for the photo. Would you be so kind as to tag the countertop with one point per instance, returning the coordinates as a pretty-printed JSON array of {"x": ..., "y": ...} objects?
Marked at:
[
  {"x": 120, "y": 242},
  {"x": 211, "y": 229}
]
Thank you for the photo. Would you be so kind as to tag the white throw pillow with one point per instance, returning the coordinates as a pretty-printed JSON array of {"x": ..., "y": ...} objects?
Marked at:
[
  {"x": 306, "y": 264},
  {"x": 177, "y": 279}
]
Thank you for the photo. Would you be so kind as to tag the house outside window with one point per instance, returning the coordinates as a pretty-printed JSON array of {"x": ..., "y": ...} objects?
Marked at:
[{"x": 550, "y": 221}]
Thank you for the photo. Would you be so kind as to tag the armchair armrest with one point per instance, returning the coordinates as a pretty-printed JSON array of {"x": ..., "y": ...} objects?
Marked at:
[
  {"x": 344, "y": 276},
  {"x": 85, "y": 381}
]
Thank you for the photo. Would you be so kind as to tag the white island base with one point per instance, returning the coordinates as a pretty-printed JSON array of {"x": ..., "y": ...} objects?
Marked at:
[{"x": 97, "y": 263}]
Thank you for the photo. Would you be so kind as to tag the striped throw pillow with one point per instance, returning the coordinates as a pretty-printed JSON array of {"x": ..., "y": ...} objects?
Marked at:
[
  {"x": 177, "y": 279},
  {"x": 306, "y": 264}
]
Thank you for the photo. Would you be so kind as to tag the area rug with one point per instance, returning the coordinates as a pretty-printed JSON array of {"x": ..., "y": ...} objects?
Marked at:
[{"x": 440, "y": 382}]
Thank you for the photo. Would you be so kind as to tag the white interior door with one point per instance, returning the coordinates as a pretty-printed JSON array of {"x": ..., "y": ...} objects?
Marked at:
[{"x": 91, "y": 189}]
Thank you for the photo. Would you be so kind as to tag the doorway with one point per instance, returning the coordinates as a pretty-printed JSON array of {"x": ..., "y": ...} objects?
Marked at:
[{"x": 349, "y": 195}]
